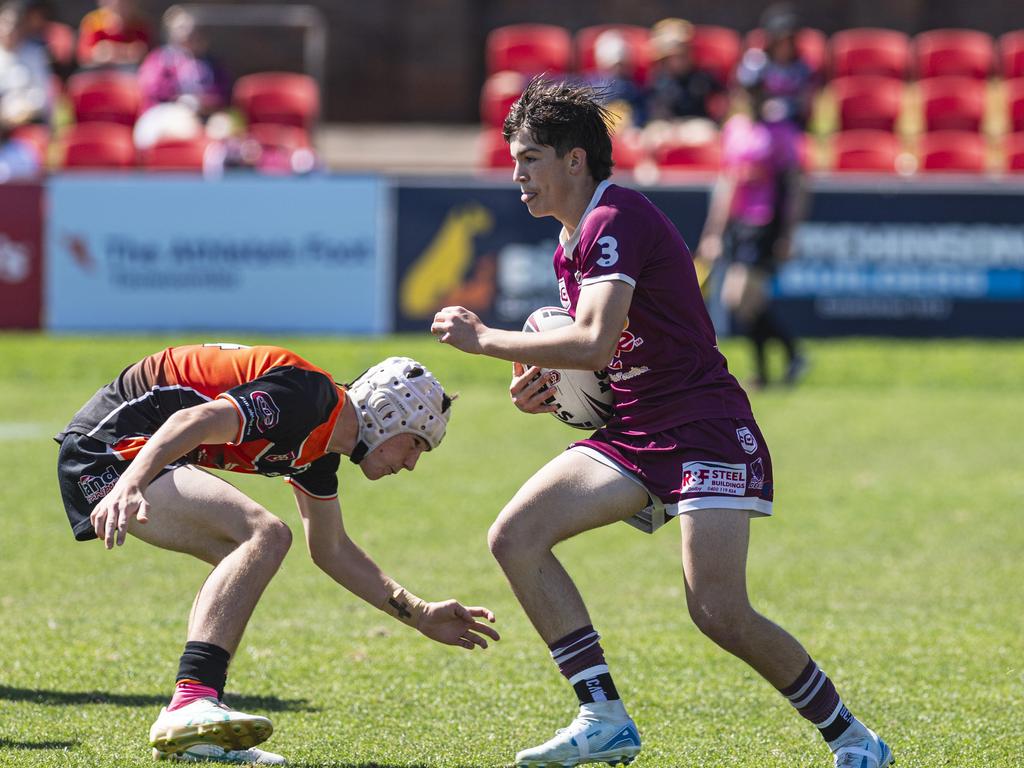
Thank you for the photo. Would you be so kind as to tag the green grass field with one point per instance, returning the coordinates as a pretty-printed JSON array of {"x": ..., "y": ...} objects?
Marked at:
[{"x": 895, "y": 555}]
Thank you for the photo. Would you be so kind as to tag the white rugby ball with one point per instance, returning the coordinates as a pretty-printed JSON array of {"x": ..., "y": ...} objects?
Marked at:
[{"x": 584, "y": 398}]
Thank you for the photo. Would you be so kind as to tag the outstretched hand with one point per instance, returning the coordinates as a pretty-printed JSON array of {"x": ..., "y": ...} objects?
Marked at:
[{"x": 452, "y": 623}]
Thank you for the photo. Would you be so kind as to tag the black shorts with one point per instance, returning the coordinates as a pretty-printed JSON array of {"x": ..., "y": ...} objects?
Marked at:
[
  {"x": 751, "y": 245},
  {"x": 86, "y": 470}
]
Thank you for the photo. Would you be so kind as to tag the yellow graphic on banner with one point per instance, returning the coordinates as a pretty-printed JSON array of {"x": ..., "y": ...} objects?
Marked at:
[{"x": 441, "y": 268}]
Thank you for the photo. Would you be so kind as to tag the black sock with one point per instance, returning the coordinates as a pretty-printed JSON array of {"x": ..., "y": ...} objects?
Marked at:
[{"x": 205, "y": 663}]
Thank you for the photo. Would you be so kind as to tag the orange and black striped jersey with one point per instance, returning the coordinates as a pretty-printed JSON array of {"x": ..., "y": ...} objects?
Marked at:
[{"x": 287, "y": 410}]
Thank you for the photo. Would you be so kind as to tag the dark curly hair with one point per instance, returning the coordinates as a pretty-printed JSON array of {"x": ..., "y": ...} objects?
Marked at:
[{"x": 564, "y": 116}]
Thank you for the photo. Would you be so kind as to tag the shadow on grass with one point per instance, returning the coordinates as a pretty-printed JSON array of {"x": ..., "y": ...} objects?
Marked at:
[
  {"x": 10, "y": 744},
  {"x": 76, "y": 698},
  {"x": 332, "y": 764}
]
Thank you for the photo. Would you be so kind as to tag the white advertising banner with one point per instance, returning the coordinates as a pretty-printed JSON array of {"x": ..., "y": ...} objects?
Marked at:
[{"x": 147, "y": 253}]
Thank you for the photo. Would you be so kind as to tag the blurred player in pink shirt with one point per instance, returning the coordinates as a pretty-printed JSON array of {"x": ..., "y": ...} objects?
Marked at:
[
  {"x": 682, "y": 443},
  {"x": 755, "y": 206}
]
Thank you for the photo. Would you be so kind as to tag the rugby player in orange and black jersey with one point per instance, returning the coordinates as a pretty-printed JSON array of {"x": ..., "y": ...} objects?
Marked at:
[
  {"x": 128, "y": 464},
  {"x": 287, "y": 410}
]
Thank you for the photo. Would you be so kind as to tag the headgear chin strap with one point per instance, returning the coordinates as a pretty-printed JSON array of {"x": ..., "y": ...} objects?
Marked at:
[{"x": 394, "y": 397}]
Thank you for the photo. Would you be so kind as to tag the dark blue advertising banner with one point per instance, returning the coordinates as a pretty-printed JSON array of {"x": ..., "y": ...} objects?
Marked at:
[
  {"x": 908, "y": 260},
  {"x": 477, "y": 246},
  {"x": 901, "y": 260}
]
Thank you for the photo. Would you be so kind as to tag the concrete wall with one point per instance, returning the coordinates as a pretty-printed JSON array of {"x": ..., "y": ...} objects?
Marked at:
[{"x": 422, "y": 60}]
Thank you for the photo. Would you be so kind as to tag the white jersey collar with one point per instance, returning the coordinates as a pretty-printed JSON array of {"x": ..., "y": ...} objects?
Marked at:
[{"x": 569, "y": 243}]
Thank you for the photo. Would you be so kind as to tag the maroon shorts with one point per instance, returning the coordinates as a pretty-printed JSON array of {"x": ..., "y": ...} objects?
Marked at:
[{"x": 707, "y": 464}]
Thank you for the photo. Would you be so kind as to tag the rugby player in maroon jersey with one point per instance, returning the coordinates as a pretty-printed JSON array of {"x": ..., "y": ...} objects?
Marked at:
[{"x": 682, "y": 443}]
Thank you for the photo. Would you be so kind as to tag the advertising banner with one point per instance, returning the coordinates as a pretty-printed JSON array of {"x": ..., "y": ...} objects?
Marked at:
[
  {"x": 908, "y": 261},
  {"x": 21, "y": 264},
  {"x": 475, "y": 244},
  {"x": 245, "y": 253}
]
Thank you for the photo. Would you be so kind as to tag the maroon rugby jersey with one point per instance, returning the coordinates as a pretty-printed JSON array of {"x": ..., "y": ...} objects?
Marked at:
[{"x": 667, "y": 370}]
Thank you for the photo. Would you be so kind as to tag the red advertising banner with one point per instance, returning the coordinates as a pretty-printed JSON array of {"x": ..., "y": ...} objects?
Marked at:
[{"x": 21, "y": 226}]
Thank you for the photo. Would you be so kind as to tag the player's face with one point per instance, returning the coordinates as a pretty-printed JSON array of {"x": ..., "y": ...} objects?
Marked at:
[
  {"x": 393, "y": 455},
  {"x": 543, "y": 177}
]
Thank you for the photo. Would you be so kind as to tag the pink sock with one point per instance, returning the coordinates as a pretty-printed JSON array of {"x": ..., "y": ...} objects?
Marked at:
[{"x": 187, "y": 691}]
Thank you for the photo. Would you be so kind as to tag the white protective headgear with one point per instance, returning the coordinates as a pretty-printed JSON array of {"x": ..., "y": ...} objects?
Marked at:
[{"x": 398, "y": 396}]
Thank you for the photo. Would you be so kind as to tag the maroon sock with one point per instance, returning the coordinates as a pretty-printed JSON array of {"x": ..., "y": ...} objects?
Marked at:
[{"x": 580, "y": 659}]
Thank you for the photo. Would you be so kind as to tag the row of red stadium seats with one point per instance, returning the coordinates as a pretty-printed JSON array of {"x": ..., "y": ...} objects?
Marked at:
[
  {"x": 535, "y": 48},
  {"x": 949, "y": 102},
  {"x": 95, "y": 145},
  {"x": 282, "y": 98},
  {"x": 948, "y": 151}
]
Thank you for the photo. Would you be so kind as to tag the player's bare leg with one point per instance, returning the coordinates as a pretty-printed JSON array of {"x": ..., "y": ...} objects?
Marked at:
[
  {"x": 571, "y": 494},
  {"x": 714, "y": 554},
  {"x": 201, "y": 515},
  {"x": 196, "y": 513}
]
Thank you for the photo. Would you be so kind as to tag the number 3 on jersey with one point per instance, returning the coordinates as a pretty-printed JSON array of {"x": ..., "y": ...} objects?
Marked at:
[{"x": 609, "y": 251}]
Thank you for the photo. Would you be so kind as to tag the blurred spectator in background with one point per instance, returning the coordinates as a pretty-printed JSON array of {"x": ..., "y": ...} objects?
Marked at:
[
  {"x": 181, "y": 85},
  {"x": 787, "y": 78},
  {"x": 679, "y": 90},
  {"x": 114, "y": 35},
  {"x": 56, "y": 39},
  {"x": 614, "y": 80},
  {"x": 182, "y": 70},
  {"x": 755, "y": 206},
  {"x": 24, "y": 91}
]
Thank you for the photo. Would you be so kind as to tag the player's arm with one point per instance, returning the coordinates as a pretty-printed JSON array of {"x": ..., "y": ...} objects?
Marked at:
[
  {"x": 213, "y": 422},
  {"x": 332, "y": 550},
  {"x": 794, "y": 200},
  {"x": 710, "y": 246},
  {"x": 586, "y": 345}
]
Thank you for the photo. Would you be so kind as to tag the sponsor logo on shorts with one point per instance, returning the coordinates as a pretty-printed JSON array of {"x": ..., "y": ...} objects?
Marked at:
[
  {"x": 756, "y": 475},
  {"x": 276, "y": 457},
  {"x": 267, "y": 412},
  {"x": 747, "y": 440},
  {"x": 95, "y": 487},
  {"x": 714, "y": 477}
]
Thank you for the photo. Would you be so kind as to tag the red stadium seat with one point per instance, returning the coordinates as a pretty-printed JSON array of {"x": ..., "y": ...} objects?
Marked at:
[
  {"x": 106, "y": 96},
  {"x": 674, "y": 156},
  {"x": 811, "y": 45},
  {"x": 1015, "y": 103},
  {"x": 285, "y": 98},
  {"x": 1011, "y": 53},
  {"x": 865, "y": 151},
  {"x": 952, "y": 152},
  {"x": 36, "y": 136},
  {"x": 1014, "y": 151},
  {"x": 955, "y": 103},
  {"x": 531, "y": 49},
  {"x": 716, "y": 49},
  {"x": 493, "y": 152},
  {"x": 870, "y": 51},
  {"x": 868, "y": 101},
  {"x": 282, "y": 136},
  {"x": 626, "y": 151},
  {"x": 496, "y": 97},
  {"x": 98, "y": 145},
  {"x": 183, "y": 155},
  {"x": 637, "y": 41},
  {"x": 966, "y": 52}
]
